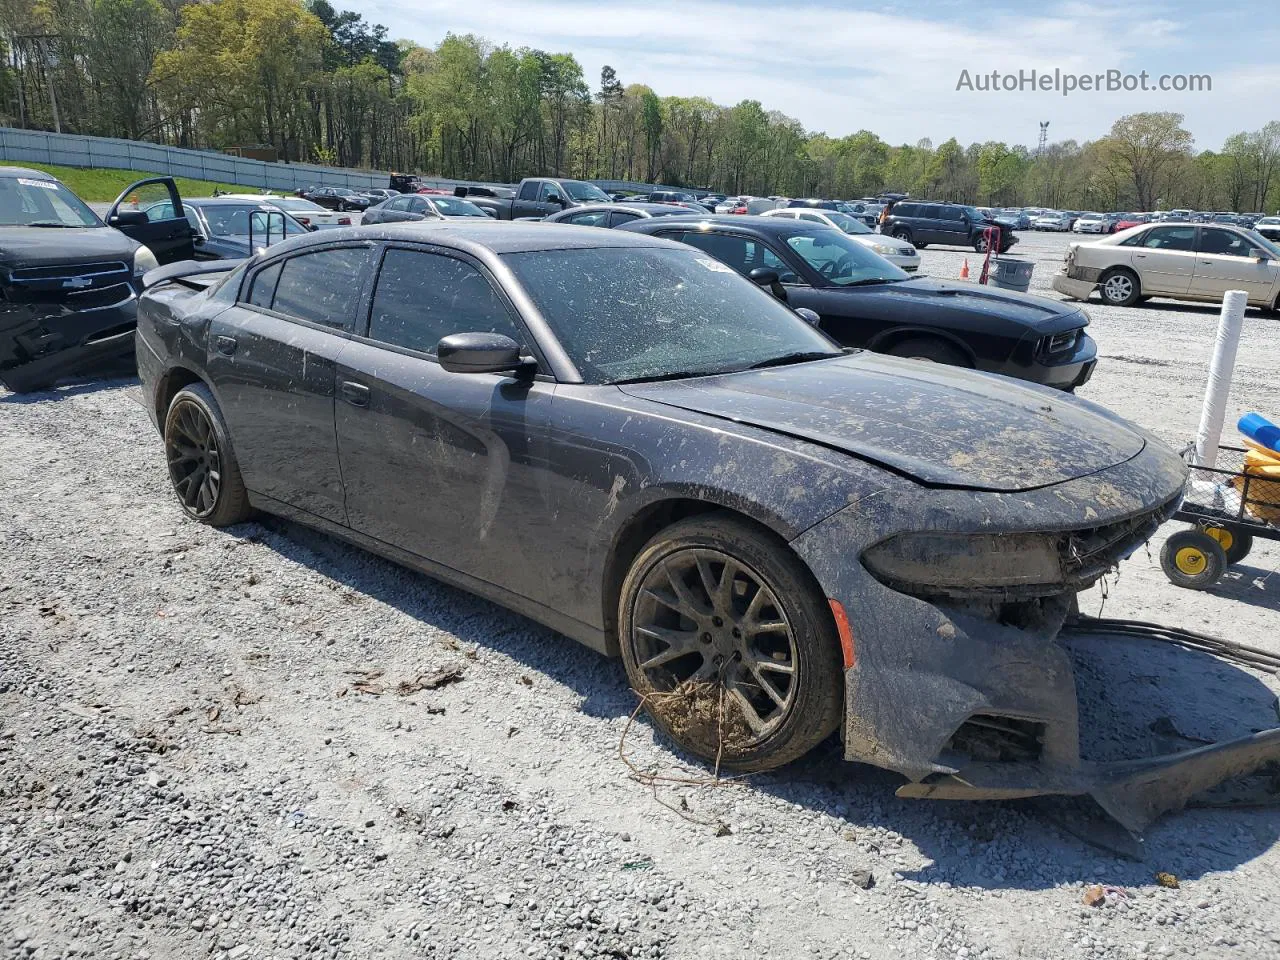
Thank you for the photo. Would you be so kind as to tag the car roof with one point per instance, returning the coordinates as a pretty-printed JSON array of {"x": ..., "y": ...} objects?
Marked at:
[
  {"x": 496, "y": 236},
  {"x": 220, "y": 201},
  {"x": 761, "y": 226},
  {"x": 641, "y": 206},
  {"x": 26, "y": 173}
]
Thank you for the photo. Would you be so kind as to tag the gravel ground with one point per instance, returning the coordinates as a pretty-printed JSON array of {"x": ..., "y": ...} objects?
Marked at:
[{"x": 211, "y": 745}]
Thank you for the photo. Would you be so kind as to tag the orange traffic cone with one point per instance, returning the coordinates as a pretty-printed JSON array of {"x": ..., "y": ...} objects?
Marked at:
[{"x": 964, "y": 271}]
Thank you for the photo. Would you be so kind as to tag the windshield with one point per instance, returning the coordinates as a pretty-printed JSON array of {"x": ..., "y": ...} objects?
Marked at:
[
  {"x": 628, "y": 313},
  {"x": 847, "y": 223},
  {"x": 842, "y": 261},
  {"x": 232, "y": 220},
  {"x": 28, "y": 202},
  {"x": 579, "y": 190},
  {"x": 453, "y": 207}
]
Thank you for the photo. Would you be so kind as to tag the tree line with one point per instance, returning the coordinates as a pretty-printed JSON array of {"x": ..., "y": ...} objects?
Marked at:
[{"x": 321, "y": 85}]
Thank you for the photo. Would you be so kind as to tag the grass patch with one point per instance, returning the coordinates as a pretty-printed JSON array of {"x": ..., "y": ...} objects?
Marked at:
[{"x": 102, "y": 185}]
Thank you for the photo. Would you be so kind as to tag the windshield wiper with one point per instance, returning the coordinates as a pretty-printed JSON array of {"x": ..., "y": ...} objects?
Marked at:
[
  {"x": 50, "y": 223},
  {"x": 800, "y": 356},
  {"x": 674, "y": 375},
  {"x": 868, "y": 281}
]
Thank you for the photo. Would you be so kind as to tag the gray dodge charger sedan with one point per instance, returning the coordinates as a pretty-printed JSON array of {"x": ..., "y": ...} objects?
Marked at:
[{"x": 620, "y": 437}]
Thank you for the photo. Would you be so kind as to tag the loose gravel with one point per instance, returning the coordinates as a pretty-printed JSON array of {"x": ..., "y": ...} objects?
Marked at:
[{"x": 213, "y": 744}]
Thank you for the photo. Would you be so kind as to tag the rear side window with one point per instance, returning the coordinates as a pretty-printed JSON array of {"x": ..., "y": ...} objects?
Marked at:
[
  {"x": 596, "y": 218},
  {"x": 1170, "y": 238},
  {"x": 264, "y": 286},
  {"x": 323, "y": 287},
  {"x": 906, "y": 210},
  {"x": 421, "y": 297},
  {"x": 740, "y": 253},
  {"x": 529, "y": 190},
  {"x": 622, "y": 216}
]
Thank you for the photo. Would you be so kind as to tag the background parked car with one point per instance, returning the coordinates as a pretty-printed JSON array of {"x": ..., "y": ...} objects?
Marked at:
[
  {"x": 226, "y": 228},
  {"x": 1052, "y": 222},
  {"x": 898, "y": 252},
  {"x": 923, "y": 222},
  {"x": 616, "y": 214},
  {"x": 306, "y": 212},
  {"x": 539, "y": 197},
  {"x": 1269, "y": 227},
  {"x": 68, "y": 281},
  {"x": 337, "y": 198},
  {"x": 418, "y": 206},
  {"x": 1092, "y": 223},
  {"x": 864, "y": 301},
  {"x": 1184, "y": 261}
]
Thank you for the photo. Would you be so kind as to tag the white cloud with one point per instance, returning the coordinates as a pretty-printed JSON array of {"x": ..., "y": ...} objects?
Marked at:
[{"x": 885, "y": 70}]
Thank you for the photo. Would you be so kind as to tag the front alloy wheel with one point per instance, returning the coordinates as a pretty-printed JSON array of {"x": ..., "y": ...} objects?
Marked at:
[{"x": 728, "y": 640}]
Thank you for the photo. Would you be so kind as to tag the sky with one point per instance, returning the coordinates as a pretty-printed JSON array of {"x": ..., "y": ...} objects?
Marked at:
[{"x": 839, "y": 66}]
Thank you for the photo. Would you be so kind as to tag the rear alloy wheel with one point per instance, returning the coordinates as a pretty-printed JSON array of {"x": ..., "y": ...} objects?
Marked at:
[
  {"x": 930, "y": 349},
  {"x": 1193, "y": 559},
  {"x": 733, "y": 648},
  {"x": 1120, "y": 288},
  {"x": 202, "y": 468}
]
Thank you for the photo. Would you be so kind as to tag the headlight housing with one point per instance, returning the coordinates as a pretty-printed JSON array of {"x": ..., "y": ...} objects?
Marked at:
[
  {"x": 939, "y": 565},
  {"x": 883, "y": 249},
  {"x": 144, "y": 260}
]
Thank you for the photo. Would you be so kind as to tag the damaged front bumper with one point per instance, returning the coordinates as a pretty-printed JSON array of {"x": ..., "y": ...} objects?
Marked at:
[
  {"x": 965, "y": 689},
  {"x": 41, "y": 342}
]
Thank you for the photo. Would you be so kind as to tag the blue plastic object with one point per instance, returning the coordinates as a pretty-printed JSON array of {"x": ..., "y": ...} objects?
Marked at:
[{"x": 1260, "y": 430}]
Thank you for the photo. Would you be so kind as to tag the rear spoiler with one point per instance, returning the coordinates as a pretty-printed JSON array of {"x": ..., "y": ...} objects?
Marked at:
[{"x": 196, "y": 274}]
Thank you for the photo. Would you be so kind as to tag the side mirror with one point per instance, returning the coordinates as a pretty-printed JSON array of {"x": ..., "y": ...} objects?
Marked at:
[
  {"x": 808, "y": 316},
  {"x": 479, "y": 353},
  {"x": 769, "y": 278},
  {"x": 129, "y": 218},
  {"x": 1259, "y": 255}
]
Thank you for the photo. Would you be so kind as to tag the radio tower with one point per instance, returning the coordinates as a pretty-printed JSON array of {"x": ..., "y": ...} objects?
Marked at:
[{"x": 1044, "y": 138}]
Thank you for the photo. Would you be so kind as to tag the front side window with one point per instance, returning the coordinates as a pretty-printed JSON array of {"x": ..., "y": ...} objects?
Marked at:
[
  {"x": 631, "y": 313},
  {"x": 550, "y": 193},
  {"x": 323, "y": 287},
  {"x": 1170, "y": 238},
  {"x": 421, "y": 297},
  {"x": 741, "y": 253},
  {"x": 1224, "y": 243}
]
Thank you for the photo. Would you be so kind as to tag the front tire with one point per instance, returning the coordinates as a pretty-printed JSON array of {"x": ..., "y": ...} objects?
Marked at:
[
  {"x": 1120, "y": 288},
  {"x": 733, "y": 647},
  {"x": 202, "y": 466}
]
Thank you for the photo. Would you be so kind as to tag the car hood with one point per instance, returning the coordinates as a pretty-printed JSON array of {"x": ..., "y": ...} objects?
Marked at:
[
  {"x": 930, "y": 293},
  {"x": 53, "y": 246},
  {"x": 939, "y": 425}
]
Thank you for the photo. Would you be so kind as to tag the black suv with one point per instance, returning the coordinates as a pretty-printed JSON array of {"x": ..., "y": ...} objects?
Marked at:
[{"x": 922, "y": 223}]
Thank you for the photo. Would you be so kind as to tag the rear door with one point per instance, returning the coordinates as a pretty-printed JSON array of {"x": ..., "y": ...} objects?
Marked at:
[
  {"x": 443, "y": 465},
  {"x": 1166, "y": 259},
  {"x": 273, "y": 360},
  {"x": 1223, "y": 263},
  {"x": 169, "y": 236}
]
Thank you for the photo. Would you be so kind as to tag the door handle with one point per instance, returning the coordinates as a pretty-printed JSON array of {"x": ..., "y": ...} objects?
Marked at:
[
  {"x": 1139, "y": 256},
  {"x": 1207, "y": 262},
  {"x": 225, "y": 345},
  {"x": 356, "y": 394}
]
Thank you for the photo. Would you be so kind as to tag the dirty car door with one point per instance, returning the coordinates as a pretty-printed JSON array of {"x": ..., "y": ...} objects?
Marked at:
[
  {"x": 169, "y": 237},
  {"x": 444, "y": 465},
  {"x": 272, "y": 358}
]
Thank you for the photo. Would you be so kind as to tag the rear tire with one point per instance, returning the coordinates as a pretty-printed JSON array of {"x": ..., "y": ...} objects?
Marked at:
[
  {"x": 930, "y": 349},
  {"x": 728, "y": 638},
  {"x": 1120, "y": 287},
  {"x": 202, "y": 466},
  {"x": 901, "y": 233},
  {"x": 1192, "y": 559}
]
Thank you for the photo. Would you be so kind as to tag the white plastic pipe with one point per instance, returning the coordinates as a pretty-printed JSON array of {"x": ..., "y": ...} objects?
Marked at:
[{"x": 1212, "y": 414}]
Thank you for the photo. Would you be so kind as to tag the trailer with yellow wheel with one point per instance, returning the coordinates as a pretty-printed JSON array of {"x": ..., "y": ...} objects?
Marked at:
[{"x": 1229, "y": 505}]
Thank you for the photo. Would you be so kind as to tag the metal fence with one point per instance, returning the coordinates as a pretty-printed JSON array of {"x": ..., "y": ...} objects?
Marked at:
[{"x": 72, "y": 150}]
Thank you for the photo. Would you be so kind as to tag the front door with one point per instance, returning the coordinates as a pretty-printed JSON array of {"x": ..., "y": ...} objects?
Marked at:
[
  {"x": 1166, "y": 259},
  {"x": 166, "y": 231},
  {"x": 1223, "y": 263},
  {"x": 447, "y": 466},
  {"x": 273, "y": 360}
]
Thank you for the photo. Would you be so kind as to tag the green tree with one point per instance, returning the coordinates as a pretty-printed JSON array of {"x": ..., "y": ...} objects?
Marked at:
[{"x": 1145, "y": 146}]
